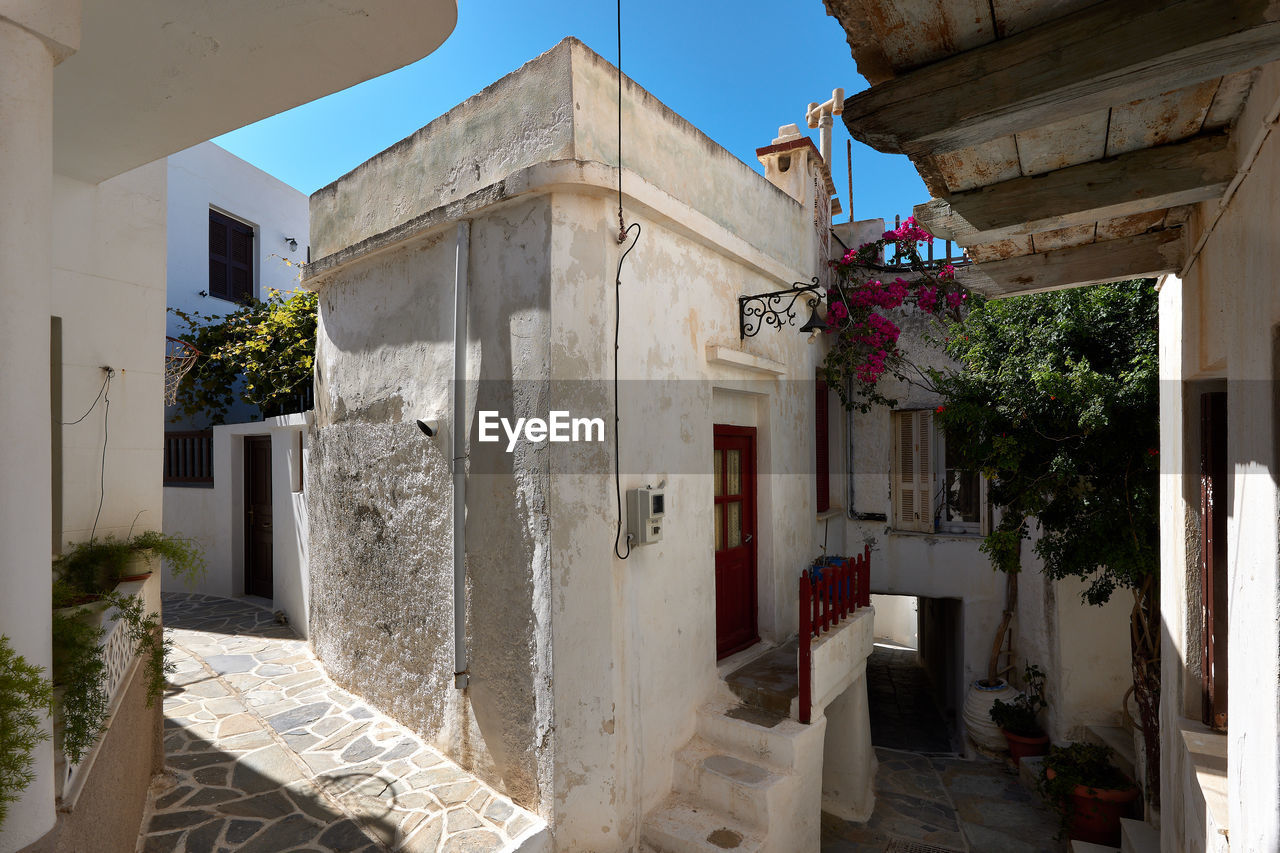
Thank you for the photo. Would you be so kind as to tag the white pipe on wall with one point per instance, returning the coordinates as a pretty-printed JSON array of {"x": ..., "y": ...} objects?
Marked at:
[{"x": 461, "y": 666}]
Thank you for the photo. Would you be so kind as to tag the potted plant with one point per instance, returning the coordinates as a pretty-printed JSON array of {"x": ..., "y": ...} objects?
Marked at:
[
  {"x": 1017, "y": 719},
  {"x": 79, "y": 672},
  {"x": 100, "y": 564},
  {"x": 1090, "y": 792},
  {"x": 25, "y": 697},
  {"x": 84, "y": 594}
]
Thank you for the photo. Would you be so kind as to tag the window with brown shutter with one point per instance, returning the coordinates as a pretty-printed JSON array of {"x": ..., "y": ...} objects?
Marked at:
[
  {"x": 230, "y": 258},
  {"x": 821, "y": 442}
]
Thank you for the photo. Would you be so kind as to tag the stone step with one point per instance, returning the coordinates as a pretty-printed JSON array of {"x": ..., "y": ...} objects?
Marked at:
[
  {"x": 769, "y": 681},
  {"x": 1138, "y": 836},
  {"x": 758, "y": 796},
  {"x": 1121, "y": 742},
  {"x": 753, "y": 733},
  {"x": 1090, "y": 847},
  {"x": 680, "y": 827}
]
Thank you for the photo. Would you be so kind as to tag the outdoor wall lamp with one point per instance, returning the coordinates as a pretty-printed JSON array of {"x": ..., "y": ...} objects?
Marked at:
[
  {"x": 777, "y": 310},
  {"x": 293, "y": 243}
]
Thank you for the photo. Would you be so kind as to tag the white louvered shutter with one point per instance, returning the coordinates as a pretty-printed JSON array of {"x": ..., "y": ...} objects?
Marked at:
[
  {"x": 924, "y": 471},
  {"x": 913, "y": 471}
]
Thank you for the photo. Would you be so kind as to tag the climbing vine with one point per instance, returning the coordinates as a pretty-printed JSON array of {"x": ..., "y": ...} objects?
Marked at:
[{"x": 262, "y": 353}]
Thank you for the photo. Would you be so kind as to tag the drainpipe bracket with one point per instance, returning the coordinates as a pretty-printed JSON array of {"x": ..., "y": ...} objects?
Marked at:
[{"x": 461, "y": 680}]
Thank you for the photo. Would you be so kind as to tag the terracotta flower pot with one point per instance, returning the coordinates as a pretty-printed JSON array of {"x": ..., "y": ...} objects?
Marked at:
[
  {"x": 1096, "y": 812},
  {"x": 1025, "y": 747}
]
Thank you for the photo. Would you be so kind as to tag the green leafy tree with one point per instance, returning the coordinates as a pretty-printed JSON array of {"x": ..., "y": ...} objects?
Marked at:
[
  {"x": 1057, "y": 395},
  {"x": 26, "y": 697},
  {"x": 262, "y": 353}
]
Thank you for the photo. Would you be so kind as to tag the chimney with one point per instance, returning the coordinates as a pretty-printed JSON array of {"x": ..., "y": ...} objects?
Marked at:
[{"x": 786, "y": 163}]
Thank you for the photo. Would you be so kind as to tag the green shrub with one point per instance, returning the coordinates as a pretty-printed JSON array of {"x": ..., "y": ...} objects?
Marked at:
[{"x": 26, "y": 696}]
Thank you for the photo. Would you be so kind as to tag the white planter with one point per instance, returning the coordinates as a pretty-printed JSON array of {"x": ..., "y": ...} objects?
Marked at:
[{"x": 982, "y": 732}]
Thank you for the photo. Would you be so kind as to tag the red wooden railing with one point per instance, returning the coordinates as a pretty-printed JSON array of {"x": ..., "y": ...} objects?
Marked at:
[
  {"x": 188, "y": 457},
  {"x": 843, "y": 588}
]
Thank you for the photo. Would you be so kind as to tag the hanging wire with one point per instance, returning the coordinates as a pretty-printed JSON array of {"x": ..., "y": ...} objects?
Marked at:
[
  {"x": 622, "y": 228},
  {"x": 92, "y": 406},
  {"x": 617, "y": 428},
  {"x": 104, "y": 394},
  {"x": 624, "y": 231},
  {"x": 102, "y": 471}
]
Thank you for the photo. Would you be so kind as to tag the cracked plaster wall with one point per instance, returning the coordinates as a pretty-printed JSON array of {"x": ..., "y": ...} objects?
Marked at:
[
  {"x": 381, "y": 545},
  {"x": 586, "y": 670}
]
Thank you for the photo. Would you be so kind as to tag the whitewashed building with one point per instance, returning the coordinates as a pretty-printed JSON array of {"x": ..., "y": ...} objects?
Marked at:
[
  {"x": 475, "y": 589},
  {"x": 92, "y": 98},
  {"x": 1070, "y": 143},
  {"x": 236, "y": 232}
]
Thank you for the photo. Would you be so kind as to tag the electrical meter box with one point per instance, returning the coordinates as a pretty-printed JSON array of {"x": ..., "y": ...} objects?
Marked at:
[{"x": 645, "y": 508}]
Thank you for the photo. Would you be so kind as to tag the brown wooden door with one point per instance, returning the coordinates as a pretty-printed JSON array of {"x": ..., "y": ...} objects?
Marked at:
[
  {"x": 257, "y": 516},
  {"x": 1213, "y": 557},
  {"x": 735, "y": 520}
]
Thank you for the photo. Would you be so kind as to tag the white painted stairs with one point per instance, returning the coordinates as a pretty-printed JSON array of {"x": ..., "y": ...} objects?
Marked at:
[{"x": 737, "y": 786}]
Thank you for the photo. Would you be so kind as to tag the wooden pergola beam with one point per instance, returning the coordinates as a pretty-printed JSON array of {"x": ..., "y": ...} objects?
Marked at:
[
  {"x": 1141, "y": 181},
  {"x": 1141, "y": 256},
  {"x": 1103, "y": 55}
]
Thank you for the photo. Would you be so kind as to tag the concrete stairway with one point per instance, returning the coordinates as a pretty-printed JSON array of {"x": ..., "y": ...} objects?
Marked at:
[{"x": 738, "y": 786}]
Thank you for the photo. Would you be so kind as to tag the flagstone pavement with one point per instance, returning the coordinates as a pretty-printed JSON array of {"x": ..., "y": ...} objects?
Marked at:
[
  {"x": 929, "y": 799},
  {"x": 264, "y": 753}
]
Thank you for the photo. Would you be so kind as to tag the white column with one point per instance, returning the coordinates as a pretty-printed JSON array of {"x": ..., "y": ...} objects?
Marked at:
[
  {"x": 26, "y": 185},
  {"x": 1174, "y": 577},
  {"x": 849, "y": 760}
]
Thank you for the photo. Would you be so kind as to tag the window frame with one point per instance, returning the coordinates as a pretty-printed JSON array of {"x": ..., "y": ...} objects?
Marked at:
[
  {"x": 225, "y": 291},
  {"x": 956, "y": 528},
  {"x": 933, "y": 467}
]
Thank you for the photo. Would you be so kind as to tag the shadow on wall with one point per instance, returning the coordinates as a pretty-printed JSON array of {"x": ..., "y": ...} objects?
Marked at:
[{"x": 381, "y": 551}]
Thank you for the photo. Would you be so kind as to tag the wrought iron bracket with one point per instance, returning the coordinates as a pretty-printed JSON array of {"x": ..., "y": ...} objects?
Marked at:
[{"x": 773, "y": 309}]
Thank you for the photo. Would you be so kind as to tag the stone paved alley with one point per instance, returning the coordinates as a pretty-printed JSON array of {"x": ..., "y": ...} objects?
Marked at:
[
  {"x": 927, "y": 795},
  {"x": 264, "y": 754}
]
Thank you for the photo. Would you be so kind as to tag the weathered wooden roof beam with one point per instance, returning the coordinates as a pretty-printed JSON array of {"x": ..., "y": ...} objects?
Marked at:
[
  {"x": 1137, "y": 182},
  {"x": 1106, "y": 54},
  {"x": 1143, "y": 256}
]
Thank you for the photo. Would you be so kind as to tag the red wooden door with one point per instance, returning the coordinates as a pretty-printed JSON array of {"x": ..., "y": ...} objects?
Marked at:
[
  {"x": 735, "y": 520},
  {"x": 257, "y": 516}
]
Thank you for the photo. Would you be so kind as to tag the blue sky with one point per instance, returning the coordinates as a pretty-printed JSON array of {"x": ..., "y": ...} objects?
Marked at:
[{"x": 737, "y": 70}]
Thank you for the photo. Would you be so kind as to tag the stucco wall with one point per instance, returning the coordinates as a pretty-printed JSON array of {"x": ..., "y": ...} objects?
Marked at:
[
  {"x": 1225, "y": 310},
  {"x": 206, "y": 176},
  {"x": 381, "y": 505},
  {"x": 586, "y": 670},
  {"x": 896, "y": 619},
  {"x": 108, "y": 291},
  {"x": 108, "y": 288}
]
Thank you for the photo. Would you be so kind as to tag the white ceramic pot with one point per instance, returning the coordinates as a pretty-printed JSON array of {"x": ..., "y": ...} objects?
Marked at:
[{"x": 985, "y": 734}]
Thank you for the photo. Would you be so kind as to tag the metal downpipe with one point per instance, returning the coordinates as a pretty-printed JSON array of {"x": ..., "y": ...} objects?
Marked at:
[{"x": 461, "y": 664}]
